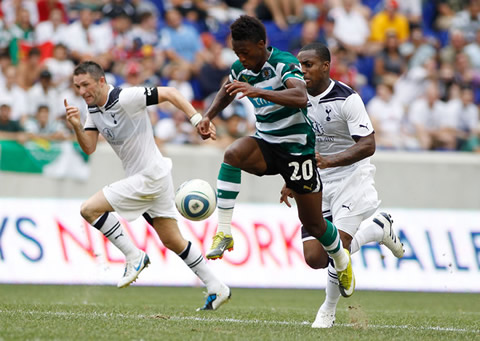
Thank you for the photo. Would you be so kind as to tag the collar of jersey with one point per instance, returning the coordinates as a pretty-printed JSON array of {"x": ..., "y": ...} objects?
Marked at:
[
  {"x": 323, "y": 94},
  {"x": 110, "y": 88}
]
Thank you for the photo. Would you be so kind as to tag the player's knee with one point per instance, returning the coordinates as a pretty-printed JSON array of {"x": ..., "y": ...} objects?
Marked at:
[
  {"x": 315, "y": 262},
  {"x": 87, "y": 212},
  {"x": 231, "y": 157}
]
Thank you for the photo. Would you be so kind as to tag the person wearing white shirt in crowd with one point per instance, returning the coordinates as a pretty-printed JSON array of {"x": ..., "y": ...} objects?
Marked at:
[
  {"x": 120, "y": 116},
  {"x": 14, "y": 95},
  {"x": 60, "y": 67},
  {"x": 350, "y": 27},
  {"x": 431, "y": 121},
  {"x": 51, "y": 30},
  {"x": 387, "y": 115},
  {"x": 85, "y": 39},
  {"x": 463, "y": 114},
  {"x": 44, "y": 93}
]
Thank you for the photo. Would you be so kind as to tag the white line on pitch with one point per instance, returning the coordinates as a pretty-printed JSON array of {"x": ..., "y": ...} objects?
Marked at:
[{"x": 231, "y": 320}]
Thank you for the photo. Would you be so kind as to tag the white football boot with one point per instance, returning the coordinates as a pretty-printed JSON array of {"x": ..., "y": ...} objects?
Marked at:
[
  {"x": 133, "y": 269},
  {"x": 390, "y": 240},
  {"x": 215, "y": 300},
  {"x": 324, "y": 319}
]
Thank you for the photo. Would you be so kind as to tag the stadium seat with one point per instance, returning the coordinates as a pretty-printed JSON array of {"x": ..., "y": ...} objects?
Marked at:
[{"x": 366, "y": 66}]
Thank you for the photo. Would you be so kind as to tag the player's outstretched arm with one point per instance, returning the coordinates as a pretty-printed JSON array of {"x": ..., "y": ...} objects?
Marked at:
[
  {"x": 86, "y": 139},
  {"x": 363, "y": 148},
  {"x": 174, "y": 96},
  {"x": 294, "y": 96}
]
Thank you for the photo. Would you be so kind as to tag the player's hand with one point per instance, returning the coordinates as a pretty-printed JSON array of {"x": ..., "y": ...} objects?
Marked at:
[
  {"x": 206, "y": 129},
  {"x": 286, "y": 193},
  {"x": 241, "y": 87},
  {"x": 322, "y": 162},
  {"x": 73, "y": 114}
]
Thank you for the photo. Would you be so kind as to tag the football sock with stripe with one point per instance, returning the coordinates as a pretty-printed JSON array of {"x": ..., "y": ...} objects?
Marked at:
[
  {"x": 195, "y": 261},
  {"x": 111, "y": 228},
  {"x": 333, "y": 245},
  {"x": 332, "y": 293},
  {"x": 228, "y": 187}
]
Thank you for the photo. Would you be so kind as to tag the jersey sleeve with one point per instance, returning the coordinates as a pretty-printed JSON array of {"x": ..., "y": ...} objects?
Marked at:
[
  {"x": 235, "y": 71},
  {"x": 356, "y": 116},
  {"x": 292, "y": 69},
  {"x": 134, "y": 100},
  {"x": 89, "y": 124}
]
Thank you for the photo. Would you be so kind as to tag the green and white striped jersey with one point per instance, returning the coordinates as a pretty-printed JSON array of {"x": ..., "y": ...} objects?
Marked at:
[{"x": 288, "y": 127}]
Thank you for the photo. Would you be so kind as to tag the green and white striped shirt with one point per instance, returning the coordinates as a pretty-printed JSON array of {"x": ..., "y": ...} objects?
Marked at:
[{"x": 288, "y": 127}]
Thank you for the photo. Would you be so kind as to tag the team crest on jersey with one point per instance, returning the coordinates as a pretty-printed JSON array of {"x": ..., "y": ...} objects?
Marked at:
[
  {"x": 267, "y": 73},
  {"x": 328, "y": 110},
  {"x": 108, "y": 133}
]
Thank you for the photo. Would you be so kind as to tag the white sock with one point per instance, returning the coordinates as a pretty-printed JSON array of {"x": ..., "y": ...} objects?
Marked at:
[
  {"x": 369, "y": 233},
  {"x": 225, "y": 220},
  {"x": 195, "y": 261},
  {"x": 111, "y": 228},
  {"x": 332, "y": 293}
]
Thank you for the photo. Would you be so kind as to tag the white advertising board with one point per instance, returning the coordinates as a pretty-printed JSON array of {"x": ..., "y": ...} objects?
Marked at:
[{"x": 46, "y": 241}]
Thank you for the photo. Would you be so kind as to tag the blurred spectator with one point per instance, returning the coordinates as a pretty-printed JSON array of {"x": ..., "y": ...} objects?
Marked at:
[
  {"x": 29, "y": 68},
  {"x": 343, "y": 69},
  {"x": 465, "y": 115},
  {"x": 46, "y": 7},
  {"x": 43, "y": 93},
  {"x": 146, "y": 30},
  {"x": 181, "y": 42},
  {"x": 444, "y": 12},
  {"x": 413, "y": 83},
  {"x": 179, "y": 79},
  {"x": 133, "y": 75},
  {"x": 5, "y": 36},
  {"x": 457, "y": 43},
  {"x": 84, "y": 39},
  {"x": 389, "y": 19},
  {"x": 10, "y": 9},
  {"x": 390, "y": 64},
  {"x": 175, "y": 129},
  {"x": 22, "y": 35},
  {"x": 40, "y": 126},
  {"x": 418, "y": 49},
  {"x": 60, "y": 67},
  {"x": 212, "y": 73},
  {"x": 282, "y": 12},
  {"x": 310, "y": 34},
  {"x": 387, "y": 115},
  {"x": 14, "y": 95},
  {"x": 10, "y": 129},
  {"x": 468, "y": 20},
  {"x": 51, "y": 30},
  {"x": 117, "y": 37},
  {"x": 350, "y": 26},
  {"x": 114, "y": 8},
  {"x": 472, "y": 50},
  {"x": 412, "y": 9},
  {"x": 432, "y": 122},
  {"x": 473, "y": 143},
  {"x": 144, "y": 6}
]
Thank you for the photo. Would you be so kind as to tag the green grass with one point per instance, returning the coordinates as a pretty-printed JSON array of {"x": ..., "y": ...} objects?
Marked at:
[{"x": 40, "y": 312}]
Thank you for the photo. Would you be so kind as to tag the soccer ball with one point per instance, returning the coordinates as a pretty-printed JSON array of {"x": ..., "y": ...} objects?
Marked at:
[{"x": 195, "y": 199}]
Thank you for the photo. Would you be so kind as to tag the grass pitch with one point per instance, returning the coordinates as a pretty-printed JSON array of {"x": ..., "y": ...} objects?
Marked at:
[{"x": 44, "y": 312}]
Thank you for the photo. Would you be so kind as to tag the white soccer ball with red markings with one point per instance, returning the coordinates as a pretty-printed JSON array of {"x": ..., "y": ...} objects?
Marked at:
[{"x": 196, "y": 199}]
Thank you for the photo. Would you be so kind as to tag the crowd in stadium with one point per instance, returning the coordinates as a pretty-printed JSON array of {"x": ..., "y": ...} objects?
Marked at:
[{"x": 415, "y": 63}]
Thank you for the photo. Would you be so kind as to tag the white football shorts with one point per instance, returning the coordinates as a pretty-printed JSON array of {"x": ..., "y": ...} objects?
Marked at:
[
  {"x": 350, "y": 200},
  {"x": 140, "y": 193}
]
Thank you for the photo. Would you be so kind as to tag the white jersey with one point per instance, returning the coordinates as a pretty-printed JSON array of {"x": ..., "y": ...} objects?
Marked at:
[
  {"x": 125, "y": 124},
  {"x": 337, "y": 115}
]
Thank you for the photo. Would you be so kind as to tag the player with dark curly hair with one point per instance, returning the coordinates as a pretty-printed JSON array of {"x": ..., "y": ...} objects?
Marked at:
[{"x": 284, "y": 141}]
